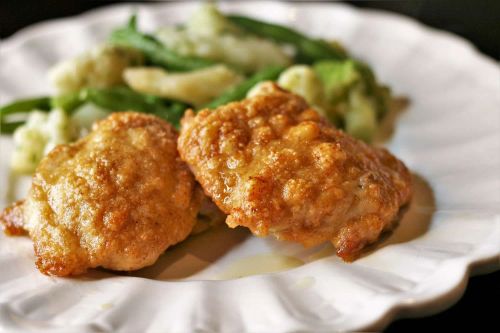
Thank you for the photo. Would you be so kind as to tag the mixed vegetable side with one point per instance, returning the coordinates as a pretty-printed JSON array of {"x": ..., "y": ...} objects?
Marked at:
[{"x": 211, "y": 60}]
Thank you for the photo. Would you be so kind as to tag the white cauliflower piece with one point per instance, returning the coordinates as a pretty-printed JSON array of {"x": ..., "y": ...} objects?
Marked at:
[
  {"x": 41, "y": 133},
  {"x": 99, "y": 68},
  {"x": 196, "y": 87},
  {"x": 208, "y": 34},
  {"x": 209, "y": 21},
  {"x": 303, "y": 81},
  {"x": 247, "y": 53},
  {"x": 85, "y": 116},
  {"x": 261, "y": 88}
]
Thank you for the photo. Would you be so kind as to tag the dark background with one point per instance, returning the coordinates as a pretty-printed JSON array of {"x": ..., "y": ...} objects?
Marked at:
[{"x": 478, "y": 21}]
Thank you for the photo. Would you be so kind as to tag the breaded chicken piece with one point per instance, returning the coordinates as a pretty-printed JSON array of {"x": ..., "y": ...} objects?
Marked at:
[
  {"x": 116, "y": 198},
  {"x": 11, "y": 218},
  {"x": 274, "y": 165}
]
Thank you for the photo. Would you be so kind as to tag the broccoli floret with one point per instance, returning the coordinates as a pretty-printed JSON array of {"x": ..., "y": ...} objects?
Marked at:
[
  {"x": 351, "y": 88},
  {"x": 303, "y": 81}
]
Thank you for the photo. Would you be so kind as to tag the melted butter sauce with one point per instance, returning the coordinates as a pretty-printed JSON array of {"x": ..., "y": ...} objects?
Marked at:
[
  {"x": 327, "y": 251},
  {"x": 260, "y": 264}
]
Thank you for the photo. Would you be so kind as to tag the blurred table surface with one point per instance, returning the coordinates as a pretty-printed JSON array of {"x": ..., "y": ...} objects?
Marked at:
[{"x": 478, "y": 21}]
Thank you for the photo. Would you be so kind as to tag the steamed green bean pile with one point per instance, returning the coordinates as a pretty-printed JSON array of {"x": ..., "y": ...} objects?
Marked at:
[
  {"x": 113, "y": 98},
  {"x": 155, "y": 51},
  {"x": 210, "y": 60}
]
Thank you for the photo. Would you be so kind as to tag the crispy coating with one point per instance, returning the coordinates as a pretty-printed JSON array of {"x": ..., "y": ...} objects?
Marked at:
[
  {"x": 12, "y": 220},
  {"x": 277, "y": 167},
  {"x": 116, "y": 198}
]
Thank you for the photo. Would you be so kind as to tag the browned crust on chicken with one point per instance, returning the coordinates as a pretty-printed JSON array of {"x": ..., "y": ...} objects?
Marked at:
[
  {"x": 11, "y": 218},
  {"x": 277, "y": 167},
  {"x": 117, "y": 198}
]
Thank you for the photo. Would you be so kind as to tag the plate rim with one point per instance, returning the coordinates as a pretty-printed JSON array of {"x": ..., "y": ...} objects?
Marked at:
[{"x": 488, "y": 259}]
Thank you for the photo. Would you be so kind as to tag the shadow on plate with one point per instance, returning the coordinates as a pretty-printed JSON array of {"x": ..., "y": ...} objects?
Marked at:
[
  {"x": 414, "y": 222},
  {"x": 386, "y": 128},
  {"x": 194, "y": 255},
  {"x": 415, "y": 219},
  {"x": 201, "y": 251},
  {"x": 185, "y": 259}
]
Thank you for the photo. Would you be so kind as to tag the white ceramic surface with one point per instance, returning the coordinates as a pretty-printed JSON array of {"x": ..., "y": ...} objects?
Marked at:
[{"x": 449, "y": 137}]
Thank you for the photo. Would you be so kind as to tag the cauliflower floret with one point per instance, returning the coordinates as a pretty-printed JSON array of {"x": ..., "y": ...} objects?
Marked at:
[
  {"x": 41, "y": 133},
  {"x": 303, "y": 81},
  {"x": 245, "y": 52},
  {"x": 101, "y": 67},
  {"x": 30, "y": 145},
  {"x": 209, "y": 21},
  {"x": 85, "y": 116},
  {"x": 196, "y": 87},
  {"x": 208, "y": 34},
  {"x": 261, "y": 88}
]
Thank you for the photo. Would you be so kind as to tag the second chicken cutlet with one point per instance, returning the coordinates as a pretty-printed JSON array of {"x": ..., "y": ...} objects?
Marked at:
[{"x": 276, "y": 166}]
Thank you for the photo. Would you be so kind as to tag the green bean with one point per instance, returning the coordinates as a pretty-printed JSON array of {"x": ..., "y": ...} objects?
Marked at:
[
  {"x": 9, "y": 127},
  {"x": 240, "y": 91},
  {"x": 25, "y": 105},
  {"x": 173, "y": 113},
  {"x": 122, "y": 98},
  {"x": 68, "y": 102},
  {"x": 113, "y": 99},
  {"x": 21, "y": 106},
  {"x": 125, "y": 99},
  {"x": 154, "y": 51},
  {"x": 308, "y": 49}
]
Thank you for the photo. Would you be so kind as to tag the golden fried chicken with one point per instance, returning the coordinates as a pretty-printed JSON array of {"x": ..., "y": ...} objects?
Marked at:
[
  {"x": 277, "y": 167},
  {"x": 12, "y": 219},
  {"x": 116, "y": 198}
]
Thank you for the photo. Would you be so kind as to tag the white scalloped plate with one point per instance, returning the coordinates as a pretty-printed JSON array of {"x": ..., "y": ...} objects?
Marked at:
[{"x": 449, "y": 137}]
